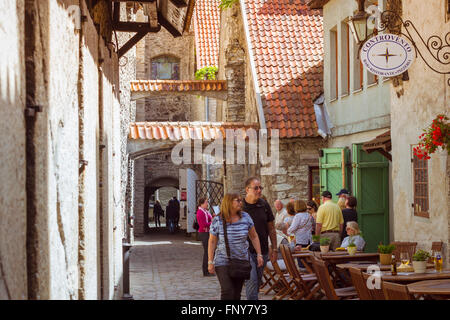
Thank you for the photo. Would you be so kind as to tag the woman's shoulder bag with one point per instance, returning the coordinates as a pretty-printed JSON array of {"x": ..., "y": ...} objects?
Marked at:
[{"x": 237, "y": 268}]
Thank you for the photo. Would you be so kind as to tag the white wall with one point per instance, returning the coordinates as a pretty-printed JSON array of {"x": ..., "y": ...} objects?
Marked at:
[{"x": 426, "y": 94}]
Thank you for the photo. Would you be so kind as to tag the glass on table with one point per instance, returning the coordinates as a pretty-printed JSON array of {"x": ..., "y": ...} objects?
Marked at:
[
  {"x": 404, "y": 258},
  {"x": 437, "y": 257}
]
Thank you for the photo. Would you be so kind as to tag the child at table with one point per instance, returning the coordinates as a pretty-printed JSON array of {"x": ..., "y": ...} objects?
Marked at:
[{"x": 354, "y": 236}]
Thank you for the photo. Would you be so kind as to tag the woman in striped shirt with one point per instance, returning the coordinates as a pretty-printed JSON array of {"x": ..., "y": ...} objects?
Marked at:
[{"x": 240, "y": 226}]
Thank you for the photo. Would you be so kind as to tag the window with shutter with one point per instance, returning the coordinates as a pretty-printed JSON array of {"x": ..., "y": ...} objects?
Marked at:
[{"x": 420, "y": 175}]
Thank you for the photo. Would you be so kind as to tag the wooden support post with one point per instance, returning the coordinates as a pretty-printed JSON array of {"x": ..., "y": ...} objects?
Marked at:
[{"x": 130, "y": 43}]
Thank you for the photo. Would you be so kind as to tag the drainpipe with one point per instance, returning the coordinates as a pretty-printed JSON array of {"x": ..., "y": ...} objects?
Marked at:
[
  {"x": 32, "y": 239},
  {"x": 100, "y": 169}
]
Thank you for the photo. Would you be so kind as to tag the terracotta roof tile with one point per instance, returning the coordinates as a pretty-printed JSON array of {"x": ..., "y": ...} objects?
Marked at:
[
  {"x": 206, "y": 28},
  {"x": 184, "y": 130},
  {"x": 286, "y": 37},
  {"x": 177, "y": 85}
]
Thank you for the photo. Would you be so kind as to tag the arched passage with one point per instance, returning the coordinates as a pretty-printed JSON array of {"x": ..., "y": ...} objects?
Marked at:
[{"x": 150, "y": 189}]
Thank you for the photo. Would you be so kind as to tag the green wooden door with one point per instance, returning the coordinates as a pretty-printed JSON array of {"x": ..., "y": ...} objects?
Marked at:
[
  {"x": 331, "y": 177},
  {"x": 371, "y": 189}
]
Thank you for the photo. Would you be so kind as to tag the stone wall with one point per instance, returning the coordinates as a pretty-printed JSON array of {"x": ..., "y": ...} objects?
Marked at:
[
  {"x": 163, "y": 108},
  {"x": 296, "y": 157}
]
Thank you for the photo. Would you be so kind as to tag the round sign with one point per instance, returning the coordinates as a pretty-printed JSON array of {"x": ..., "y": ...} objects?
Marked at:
[{"x": 387, "y": 55}]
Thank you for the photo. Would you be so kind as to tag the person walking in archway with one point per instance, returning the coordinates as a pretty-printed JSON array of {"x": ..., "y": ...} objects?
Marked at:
[{"x": 158, "y": 212}]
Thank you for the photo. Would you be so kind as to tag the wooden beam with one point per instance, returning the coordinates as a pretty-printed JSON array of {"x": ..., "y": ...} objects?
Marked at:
[
  {"x": 135, "y": 27},
  {"x": 130, "y": 43}
]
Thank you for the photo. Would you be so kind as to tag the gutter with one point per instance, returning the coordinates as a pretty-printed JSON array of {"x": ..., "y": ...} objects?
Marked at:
[{"x": 259, "y": 106}]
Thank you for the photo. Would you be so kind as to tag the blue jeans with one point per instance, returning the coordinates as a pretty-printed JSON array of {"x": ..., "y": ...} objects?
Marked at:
[
  {"x": 171, "y": 225},
  {"x": 252, "y": 284}
]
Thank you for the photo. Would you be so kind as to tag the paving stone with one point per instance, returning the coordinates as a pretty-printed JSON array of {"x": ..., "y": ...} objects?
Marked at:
[{"x": 171, "y": 271}]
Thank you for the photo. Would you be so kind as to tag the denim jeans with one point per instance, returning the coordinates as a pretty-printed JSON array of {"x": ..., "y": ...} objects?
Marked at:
[{"x": 252, "y": 285}]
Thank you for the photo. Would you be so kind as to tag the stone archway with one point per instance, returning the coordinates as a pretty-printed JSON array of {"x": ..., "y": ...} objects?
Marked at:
[{"x": 150, "y": 188}]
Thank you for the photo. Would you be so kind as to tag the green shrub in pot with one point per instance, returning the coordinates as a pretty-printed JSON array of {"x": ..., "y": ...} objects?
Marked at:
[{"x": 325, "y": 241}]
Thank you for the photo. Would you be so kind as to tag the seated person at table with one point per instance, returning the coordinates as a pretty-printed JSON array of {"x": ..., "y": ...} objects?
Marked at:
[{"x": 354, "y": 236}]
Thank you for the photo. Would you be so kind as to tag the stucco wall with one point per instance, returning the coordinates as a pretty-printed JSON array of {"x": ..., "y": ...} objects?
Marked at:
[
  {"x": 369, "y": 107},
  {"x": 77, "y": 84},
  {"x": 426, "y": 94},
  {"x": 13, "y": 276}
]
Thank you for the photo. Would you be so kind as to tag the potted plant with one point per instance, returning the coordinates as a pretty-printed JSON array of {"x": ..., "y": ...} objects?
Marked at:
[
  {"x": 351, "y": 248},
  {"x": 419, "y": 261},
  {"x": 324, "y": 245},
  {"x": 385, "y": 252}
]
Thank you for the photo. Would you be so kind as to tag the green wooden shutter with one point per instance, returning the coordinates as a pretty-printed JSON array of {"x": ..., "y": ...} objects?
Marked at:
[
  {"x": 330, "y": 166},
  {"x": 371, "y": 189}
]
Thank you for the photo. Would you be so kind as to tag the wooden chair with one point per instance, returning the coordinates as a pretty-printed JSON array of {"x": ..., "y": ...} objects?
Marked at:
[
  {"x": 305, "y": 285},
  {"x": 436, "y": 246},
  {"x": 327, "y": 285},
  {"x": 395, "y": 291},
  {"x": 276, "y": 274},
  {"x": 359, "y": 284},
  {"x": 409, "y": 247},
  {"x": 376, "y": 294}
]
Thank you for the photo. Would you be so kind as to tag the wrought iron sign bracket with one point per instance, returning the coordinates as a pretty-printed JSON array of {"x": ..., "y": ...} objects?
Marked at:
[{"x": 435, "y": 52}]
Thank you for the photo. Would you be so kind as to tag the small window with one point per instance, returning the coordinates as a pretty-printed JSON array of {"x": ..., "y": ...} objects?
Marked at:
[
  {"x": 165, "y": 68},
  {"x": 420, "y": 182},
  {"x": 334, "y": 64},
  {"x": 345, "y": 58}
]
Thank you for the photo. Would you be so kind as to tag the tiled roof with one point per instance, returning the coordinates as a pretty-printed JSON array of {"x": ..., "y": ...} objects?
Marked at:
[
  {"x": 317, "y": 4},
  {"x": 287, "y": 42},
  {"x": 184, "y": 130},
  {"x": 206, "y": 28},
  {"x": 178, "y": 85}
]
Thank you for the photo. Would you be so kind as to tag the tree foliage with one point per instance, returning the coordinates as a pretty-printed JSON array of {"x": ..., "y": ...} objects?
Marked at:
[{"x": 206, "y": 73}]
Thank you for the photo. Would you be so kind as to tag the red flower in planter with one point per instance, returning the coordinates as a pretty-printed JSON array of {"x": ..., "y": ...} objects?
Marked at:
[{"x": 437, "y": 135}]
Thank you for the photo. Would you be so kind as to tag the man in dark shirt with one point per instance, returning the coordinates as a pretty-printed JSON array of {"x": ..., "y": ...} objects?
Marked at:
[
  {"x": 262, "y": 216},
  {"x": 349, "y": 214}
]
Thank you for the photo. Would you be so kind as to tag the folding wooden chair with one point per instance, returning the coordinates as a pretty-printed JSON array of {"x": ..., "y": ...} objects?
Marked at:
[
  {"x": 306, "y": 285},
  {"x": 395, "y": 291},
  {"x": 376, "y": 294},
  {"x": 409, "y": 247},
  {"x": 283, "y": 281},
  {"x": 359, "y": 284},
  {"x": 272, "y": 274},
  {"x": 327, "y": 285},
  {"x": 436, "y": 246}
]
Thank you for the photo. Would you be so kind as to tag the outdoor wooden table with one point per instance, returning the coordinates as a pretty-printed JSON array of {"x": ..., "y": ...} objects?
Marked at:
[
  {"x": 337, "y": 257},
  {"x": 332, "y": 259},
  {"x": 409, "y": 277},
  {"x": 437, "y": 289},
  {"x": 364, "y": 265}
]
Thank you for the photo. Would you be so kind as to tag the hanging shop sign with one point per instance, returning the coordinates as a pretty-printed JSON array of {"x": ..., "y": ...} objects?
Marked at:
[{"x": 387, "y": 55}]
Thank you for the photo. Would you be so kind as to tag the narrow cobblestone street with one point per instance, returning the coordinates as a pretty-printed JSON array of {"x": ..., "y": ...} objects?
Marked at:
[{"x": 168, "y": 267}]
